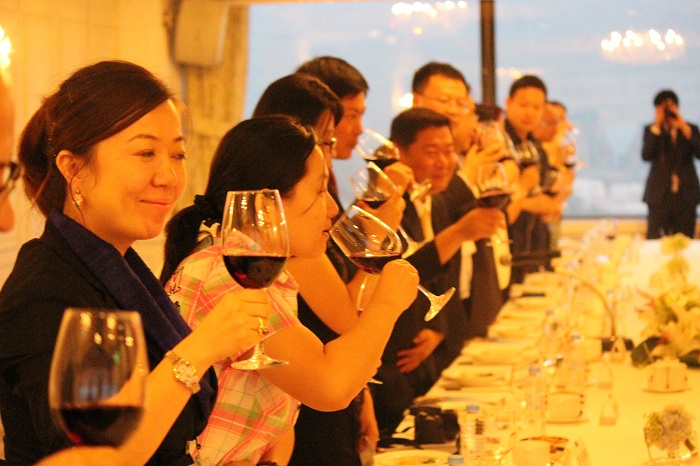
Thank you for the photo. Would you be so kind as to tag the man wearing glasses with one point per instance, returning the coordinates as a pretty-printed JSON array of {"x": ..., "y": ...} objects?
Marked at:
[
  {"x": 9, "y": 171},
  {"x": 443, "y": 89}
]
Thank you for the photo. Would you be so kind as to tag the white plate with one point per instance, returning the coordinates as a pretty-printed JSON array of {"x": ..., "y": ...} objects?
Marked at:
[
  {"x": 585, "y": 417},
  {"x": 647, "y": 389},
  {"x": 411, "y": 457},
  {"x": 477, "y": 376}
]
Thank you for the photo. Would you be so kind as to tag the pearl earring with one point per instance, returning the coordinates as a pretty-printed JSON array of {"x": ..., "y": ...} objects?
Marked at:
[{"x": 78, "y": 199}]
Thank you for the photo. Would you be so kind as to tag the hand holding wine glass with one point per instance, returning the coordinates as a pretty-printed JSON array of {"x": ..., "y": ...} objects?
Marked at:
[
  {"x": 375, "y": 188},
  {"x": 492, "y": 184},
  {"x": 370, "y": 244},
  {"x": 98, "y": 375},
  {"x": 382, "y": 152},
  {"x": 255, "y": 247}
]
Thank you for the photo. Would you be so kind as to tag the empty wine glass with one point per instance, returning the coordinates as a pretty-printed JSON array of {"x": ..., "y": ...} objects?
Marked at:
[
  {"x": 550, "y": 182},
  {"x": 370, "y": 244},
  {"x": 255, "y": 247},
  {"x": 374, "y": 187},
  {"x": 98, "y": 375},
  {"x": 567, "y": 149},
  {"x": 526, "y": 154}
]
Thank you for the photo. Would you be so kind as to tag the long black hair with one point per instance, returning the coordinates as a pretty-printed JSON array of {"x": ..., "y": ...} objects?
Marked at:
[{"x": 263, "y": 152}]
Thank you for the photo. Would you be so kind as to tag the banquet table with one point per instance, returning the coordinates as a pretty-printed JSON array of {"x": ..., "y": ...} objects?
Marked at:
[{"x": 619, "y": 444}]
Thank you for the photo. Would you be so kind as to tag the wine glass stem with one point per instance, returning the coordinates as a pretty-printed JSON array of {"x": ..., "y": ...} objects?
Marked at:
[{"x": 427, "y": 293}]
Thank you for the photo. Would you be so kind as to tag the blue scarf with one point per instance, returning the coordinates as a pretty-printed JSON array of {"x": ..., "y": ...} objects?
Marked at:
[{"x": 133, "y": 286}]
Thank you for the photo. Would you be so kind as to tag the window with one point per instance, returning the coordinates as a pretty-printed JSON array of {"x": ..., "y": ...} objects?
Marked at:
[{"x": 608, "y": 93}]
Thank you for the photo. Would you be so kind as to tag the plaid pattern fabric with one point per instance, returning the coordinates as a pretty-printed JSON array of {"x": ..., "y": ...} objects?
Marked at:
[{"x": 250, "y": 412}]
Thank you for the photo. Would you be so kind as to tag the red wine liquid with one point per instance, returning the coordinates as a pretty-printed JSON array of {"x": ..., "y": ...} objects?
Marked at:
[
  {"x": 101, "y": 425},
  {"x": 376, "y": 201},
  {"x": 373, "y": 262},
  {"x": 495, "y": 199},
  {"x": 254, "y": 271}
]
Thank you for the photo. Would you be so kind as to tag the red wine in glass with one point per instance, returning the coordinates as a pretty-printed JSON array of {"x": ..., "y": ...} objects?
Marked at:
[
  {"x": 371, "y": 244},
  {"x": 375, "y": 201},
  {"x": 495, "y": 199},
  {"x": 100, "y": 424},
  {"x": 254, "y": 271},
  {"x": 254, "y": 249},
  {"x": 98, "y": 375},
  {"x": 373, "y": 262}
]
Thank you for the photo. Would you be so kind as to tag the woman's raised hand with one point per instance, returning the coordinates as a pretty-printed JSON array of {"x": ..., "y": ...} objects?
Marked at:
[
  {"x": 397, "y": 287},
  {"x": 235, "y": 323}
]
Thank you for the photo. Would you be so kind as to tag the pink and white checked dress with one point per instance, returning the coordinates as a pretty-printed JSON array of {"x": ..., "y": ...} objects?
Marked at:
[{"x": 250, "y": 412}]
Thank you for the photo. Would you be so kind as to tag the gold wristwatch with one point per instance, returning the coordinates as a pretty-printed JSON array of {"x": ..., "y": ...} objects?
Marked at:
[{"x": 184, "y": 371}]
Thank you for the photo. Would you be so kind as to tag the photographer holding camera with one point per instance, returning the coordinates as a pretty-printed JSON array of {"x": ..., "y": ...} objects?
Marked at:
[{"x": 672, "y": 190}]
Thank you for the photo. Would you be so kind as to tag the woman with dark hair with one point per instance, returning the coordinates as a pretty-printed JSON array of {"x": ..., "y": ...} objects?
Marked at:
[
  {"x": 103, "y": 160},
  {"x": 328, "y": 285},
  {"x": 255, "y": 410}
]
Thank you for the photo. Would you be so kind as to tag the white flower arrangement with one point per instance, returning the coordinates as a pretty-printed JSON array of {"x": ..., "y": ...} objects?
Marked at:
[
  {"x": 671, "y": 429},
  {"x": 673, "y": 313},
  {"x": 674, "y": 316}
]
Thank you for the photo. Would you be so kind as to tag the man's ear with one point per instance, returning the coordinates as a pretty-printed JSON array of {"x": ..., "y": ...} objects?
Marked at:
[{"x": 69, "y": 165}]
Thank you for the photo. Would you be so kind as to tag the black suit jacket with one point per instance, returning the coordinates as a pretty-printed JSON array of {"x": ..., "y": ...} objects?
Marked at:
[
  {"x": 47, "y": 278},
  {"x": 667, "y": 158},
  {"x": 486, "y": 298}
]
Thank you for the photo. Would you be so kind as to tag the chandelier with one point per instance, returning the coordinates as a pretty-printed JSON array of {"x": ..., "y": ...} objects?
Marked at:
[
  {"x": 431, "y": 10},
  {"x": 643, "y": 48}
]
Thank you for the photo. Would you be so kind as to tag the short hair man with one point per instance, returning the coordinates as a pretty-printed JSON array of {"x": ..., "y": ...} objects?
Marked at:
[
  {"x": 525, "y": 108},
  {"x": 351, "y": 88},
  {"x": 444, "y": 89},
  {"x": 672, "y": 191},
  {"x": 411, "y": 363}
]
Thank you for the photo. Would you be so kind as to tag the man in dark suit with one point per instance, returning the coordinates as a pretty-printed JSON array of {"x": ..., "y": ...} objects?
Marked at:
[
  {"x": 672, "y": 191},
  {"x": 417, "y": 350}
]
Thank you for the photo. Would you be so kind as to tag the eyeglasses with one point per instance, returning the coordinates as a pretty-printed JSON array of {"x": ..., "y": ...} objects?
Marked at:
[
  {"x": 328, "y": 145},
  {"x": 9, "y": 172},
  {"x": 463, "y": 105}
]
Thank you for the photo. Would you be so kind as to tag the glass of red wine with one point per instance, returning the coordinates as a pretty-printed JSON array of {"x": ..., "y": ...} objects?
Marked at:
[
  {"x": 382, "y": 152},
  {"x": 374, "y": 187},
  {"x": 492, "y": 184},
  {"x": 370, "y": 244},
  {"x": 98, "y": 376},
  {"x": 255, "y": 248}
]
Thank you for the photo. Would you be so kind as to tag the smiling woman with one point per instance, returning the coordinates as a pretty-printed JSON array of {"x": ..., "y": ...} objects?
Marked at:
[
  {"x": 138, "y": 172},
  {"x": 103, "y": 159}
]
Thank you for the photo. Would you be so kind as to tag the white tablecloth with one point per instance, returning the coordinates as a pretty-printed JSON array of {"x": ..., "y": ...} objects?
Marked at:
[{"x": 622, "y": 443}]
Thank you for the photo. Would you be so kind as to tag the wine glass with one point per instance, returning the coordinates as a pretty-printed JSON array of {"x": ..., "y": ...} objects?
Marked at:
[
  {"x": 98, "y": 375},
  {"x": 255, "y": 247},
  {"x": 381, "y": 151},
  {"x": 550, "y": 182},
  {"x": 527, "y": 155},
  {"x": 567, "y": 149},
  {"x": 489, "y": 133},
  {"x": 373, "y": 147},
  {"x": 370, "y": 244},
  {"x": 374, "y": 187},
  {"x": 492, "y": 185}
]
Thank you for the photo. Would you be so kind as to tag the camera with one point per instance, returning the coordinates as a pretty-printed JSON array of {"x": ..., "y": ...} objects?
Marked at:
[
  {"x": 669, "y": 114},
  {"x": 434, "y": 425}
]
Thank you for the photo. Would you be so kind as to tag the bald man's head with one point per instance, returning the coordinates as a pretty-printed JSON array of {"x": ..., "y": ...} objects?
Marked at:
[{"x": 7, "y": 123}]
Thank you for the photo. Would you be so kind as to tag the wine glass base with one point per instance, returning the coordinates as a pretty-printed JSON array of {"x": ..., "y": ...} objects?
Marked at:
[
  {"x": 253, "y": 364},
  {"x": 437, "y": 303}
]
